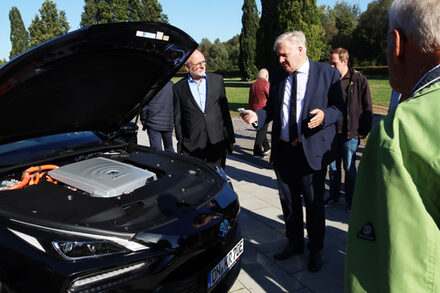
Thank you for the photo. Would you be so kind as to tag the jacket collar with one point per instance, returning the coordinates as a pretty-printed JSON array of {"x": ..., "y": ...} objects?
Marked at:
[{"x": 432, "y": 76}]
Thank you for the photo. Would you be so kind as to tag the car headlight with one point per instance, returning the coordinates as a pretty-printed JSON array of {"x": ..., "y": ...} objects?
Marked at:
[{"x": 75, "y": 250}]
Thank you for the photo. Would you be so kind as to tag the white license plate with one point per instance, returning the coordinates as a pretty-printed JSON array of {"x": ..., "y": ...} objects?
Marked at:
[{"x": 225, "y": 264}]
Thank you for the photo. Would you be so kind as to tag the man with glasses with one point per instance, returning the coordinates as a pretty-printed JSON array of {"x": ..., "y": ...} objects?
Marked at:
[
  {"x": 202, "y": 121},
  {"x": 394, "y": 232}
]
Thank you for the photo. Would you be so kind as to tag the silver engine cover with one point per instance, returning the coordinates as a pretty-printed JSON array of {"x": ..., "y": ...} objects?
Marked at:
[{"x": 103, "y": 177}]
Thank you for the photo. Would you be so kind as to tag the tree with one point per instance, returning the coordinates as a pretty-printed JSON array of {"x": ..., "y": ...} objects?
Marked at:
[
  {"x": 219, "y": 59},
  {"x": 328, "y": 22},
  {"x": 279, "y": 16},
  {"x": 346, "y": 20},
  {"x": 2, "y": 61},
  {"x": 371, "y": 30},
  {"x": 248, "y": 41},
  {"x": 205, "y": 47},
  {"x": 303, "y": 15},
  {"x": 19, "y": 34},
  {"x": 266, "y": 34},
  {"x": 51, "y": 24},
  {"x": 150, "y": 10},
  {"x": 232, "y": 46},
  {"x": 107, "y": 11}
]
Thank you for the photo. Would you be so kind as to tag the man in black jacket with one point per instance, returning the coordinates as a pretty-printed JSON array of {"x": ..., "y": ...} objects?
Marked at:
[
  {"x": 157, "y": 119},
  {"x": 355, "y": 125},
  {"x": 201, "y": 115}
]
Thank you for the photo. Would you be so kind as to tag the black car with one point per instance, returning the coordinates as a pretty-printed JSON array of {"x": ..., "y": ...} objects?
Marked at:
[{"x": 82, "y": 210}]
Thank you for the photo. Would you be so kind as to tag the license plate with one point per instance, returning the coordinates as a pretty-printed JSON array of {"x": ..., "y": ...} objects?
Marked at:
[{"x": 217, "y": 273}]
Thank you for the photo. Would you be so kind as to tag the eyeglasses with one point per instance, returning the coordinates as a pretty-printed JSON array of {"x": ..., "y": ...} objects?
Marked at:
[{"x": 201, "y": 63}]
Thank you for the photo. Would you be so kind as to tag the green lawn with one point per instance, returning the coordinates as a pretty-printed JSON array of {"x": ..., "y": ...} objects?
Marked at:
[{"x": 237, "y": 92}]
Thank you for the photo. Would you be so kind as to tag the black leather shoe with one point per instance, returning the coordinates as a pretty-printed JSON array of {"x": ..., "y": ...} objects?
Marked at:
[
  {"x": 288, "y": 251},
  {"x": 315, "y": 262}
]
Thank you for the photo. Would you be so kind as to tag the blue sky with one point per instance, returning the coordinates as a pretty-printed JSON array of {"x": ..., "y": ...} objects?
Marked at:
[{"x": 199, "y": 18}]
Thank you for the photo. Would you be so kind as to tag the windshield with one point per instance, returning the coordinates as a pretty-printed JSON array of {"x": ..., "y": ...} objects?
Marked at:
[{"x": 27, "y": 149}]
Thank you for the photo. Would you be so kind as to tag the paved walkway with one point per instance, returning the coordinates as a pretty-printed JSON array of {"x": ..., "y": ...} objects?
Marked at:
[{"x": 263, "y": 228}]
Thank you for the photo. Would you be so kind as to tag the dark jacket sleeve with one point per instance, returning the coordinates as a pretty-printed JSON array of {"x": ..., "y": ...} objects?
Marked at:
[
  {"x": 227, "y": 121},
  {"x": 366, "y": 118},
  {"x": 177, "y": 116}
]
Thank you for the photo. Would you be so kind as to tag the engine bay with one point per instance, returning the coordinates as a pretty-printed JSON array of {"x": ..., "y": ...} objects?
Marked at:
[{"x": 98, "y": 176}]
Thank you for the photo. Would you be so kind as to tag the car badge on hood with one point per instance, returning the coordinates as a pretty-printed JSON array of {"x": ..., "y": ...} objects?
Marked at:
[{"x": 224, "y": 228}]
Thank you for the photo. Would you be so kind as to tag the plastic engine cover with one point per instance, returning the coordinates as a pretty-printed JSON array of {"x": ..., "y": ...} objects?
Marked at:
[{"x": 103, "y": 177}]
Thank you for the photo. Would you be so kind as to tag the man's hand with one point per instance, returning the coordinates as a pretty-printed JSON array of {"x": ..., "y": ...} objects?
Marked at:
[
  {"x": 249, "y": 117},
  {"x": 317, "y": 119}
]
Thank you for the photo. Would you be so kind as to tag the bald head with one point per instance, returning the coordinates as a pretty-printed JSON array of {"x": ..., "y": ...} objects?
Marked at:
[
  {"x": 196, "y": 65},
  {"x": 263, "y": 73}
]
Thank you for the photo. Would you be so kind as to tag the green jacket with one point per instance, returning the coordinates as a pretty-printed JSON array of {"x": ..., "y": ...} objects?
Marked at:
[{"x": 394, "y": 238}]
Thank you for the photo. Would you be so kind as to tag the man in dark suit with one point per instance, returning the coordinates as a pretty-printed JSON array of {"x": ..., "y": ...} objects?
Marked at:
[
  {"x": 201, "y": 115},
  {"x": 302, "y": 136}
]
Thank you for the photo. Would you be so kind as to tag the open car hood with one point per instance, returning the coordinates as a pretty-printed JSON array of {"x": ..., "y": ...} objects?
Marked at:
[{"x": 96, "y": 78}]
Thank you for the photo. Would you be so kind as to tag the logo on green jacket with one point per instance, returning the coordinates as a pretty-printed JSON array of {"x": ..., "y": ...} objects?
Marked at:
[{"x": 367, "y": 232}]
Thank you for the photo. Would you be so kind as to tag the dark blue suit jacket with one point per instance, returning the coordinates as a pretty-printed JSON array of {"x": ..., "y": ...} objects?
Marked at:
[{"x": 323, "y": 92}]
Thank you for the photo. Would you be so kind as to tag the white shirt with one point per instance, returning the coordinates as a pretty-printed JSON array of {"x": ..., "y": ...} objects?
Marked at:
[{"x": 301, "y": 85}]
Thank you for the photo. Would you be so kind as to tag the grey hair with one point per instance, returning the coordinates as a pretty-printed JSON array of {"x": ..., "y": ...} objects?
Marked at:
[
  {"x": 263, "y": 72},
  {"x": 295, "y": 37},
  {"x": 419, "y": 20}
]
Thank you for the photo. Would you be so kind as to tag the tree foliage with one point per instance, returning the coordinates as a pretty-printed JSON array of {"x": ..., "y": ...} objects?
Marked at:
[
  {"x": 19, "y": 35},
  {"x": 150, "y": 10},
  {"x": 232, "y": 46},
  {"x": 108, "y": 11},
  {"x": 371, "y": 30},
  {"x": 289, "y": 15},
  {"x": 50, "y": 24},
  {"x": 2, "y": 61},
  {"x": 219, "y": 58},
  {"x": 248, "y": 41},
  {"x": 266, "y": 34},
  {"x": 303, "y": 15},
  {"x": 205, "y": 47},
  {"x": 345, "y": 18}
]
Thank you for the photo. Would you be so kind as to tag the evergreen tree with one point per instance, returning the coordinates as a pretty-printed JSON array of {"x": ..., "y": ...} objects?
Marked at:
[
  {"x": 51, "y": 24},
  {"x": 150, "y": 10},
  {"x": 303, "y": 15},
  {"x": 233, "y": 48},
  {"x": 248, "y": 41},
  {"x": 19, "y": 34},
  {"x": 279, "y": 16},
  {"x": 266, "y": 34},
  {"x": 107, "y": 11}
]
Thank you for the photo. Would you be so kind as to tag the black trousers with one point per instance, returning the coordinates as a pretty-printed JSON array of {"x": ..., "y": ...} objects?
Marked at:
[
  {"x": 157, "y": 136},
  {"x": 261, "y": 141},
  {"x": 211, "y": 154},
  {"x": 298, "y": 182}
]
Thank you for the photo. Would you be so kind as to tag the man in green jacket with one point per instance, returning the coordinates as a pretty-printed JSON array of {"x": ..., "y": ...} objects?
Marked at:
[{"x": 394, "y": 236}]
